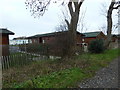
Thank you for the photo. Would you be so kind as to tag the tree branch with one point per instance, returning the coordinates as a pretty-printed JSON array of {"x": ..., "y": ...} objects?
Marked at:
[
  {"x": 116, "y": 7},
  {"x": 70, "y": 7},
  {"x": 67, "y": 22},
  {"x": 37, "y": 7},
  {"x": 112, "y": 5},
  {"x": 80, "y": 3},
  {"x": 76, "y": 4}
]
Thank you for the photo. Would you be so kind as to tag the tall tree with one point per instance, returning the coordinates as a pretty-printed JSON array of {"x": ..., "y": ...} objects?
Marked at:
[
  {"x": 113, "y": 5},
  {"x": 38, "y": 8}
]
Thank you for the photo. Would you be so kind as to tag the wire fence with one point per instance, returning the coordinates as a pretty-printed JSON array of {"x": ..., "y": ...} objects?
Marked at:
[
  {"x": 24, "y": 54},
  {"x": 20, "y": 55},
  {"x": 20, "y": 59},
  {"x": 15, "y": 60}
]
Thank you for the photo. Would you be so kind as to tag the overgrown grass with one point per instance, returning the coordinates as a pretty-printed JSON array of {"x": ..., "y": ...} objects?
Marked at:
[
  {"x": 58, "y": 74},
  {"x": 59, "y": 79}
]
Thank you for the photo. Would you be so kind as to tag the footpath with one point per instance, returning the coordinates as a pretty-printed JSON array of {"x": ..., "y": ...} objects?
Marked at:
[{"x": 104, "y": 78}]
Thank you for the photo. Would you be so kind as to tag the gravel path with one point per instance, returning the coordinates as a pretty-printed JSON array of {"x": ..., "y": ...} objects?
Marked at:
[{"x": 104, "y": 78}]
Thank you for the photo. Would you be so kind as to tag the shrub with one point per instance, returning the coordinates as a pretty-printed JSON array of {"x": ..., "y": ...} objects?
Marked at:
[{"x": 96, "y": 46}]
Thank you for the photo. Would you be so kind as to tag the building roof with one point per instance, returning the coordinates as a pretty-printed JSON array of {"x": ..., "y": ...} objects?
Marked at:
[
  {"x": 20, "y": 38},
  {"x": 48, "y": 34},
  {"x": 92, "y": 34},
  {"x": 118, "y": 35},
  {"x": 42, "y": 35},
  {"x": 5, "y": 31}
]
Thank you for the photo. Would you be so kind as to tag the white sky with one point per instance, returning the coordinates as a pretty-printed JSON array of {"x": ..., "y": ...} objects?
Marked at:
[{"x": 15, "y": 17}]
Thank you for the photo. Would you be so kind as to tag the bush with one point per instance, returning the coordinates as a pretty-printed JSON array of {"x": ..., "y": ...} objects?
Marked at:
[{"x": 96, "y": 46}]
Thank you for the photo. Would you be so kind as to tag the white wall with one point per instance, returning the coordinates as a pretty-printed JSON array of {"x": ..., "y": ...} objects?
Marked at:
[{"x": 17, "y": 42}]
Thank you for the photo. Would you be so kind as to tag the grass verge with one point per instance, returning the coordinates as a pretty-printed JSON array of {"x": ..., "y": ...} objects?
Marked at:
[
  {"x": 59, "y": 79},
  {"x": 59, "y": 74}
]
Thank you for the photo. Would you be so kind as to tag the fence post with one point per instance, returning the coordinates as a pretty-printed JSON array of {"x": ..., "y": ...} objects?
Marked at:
[
  {"x": 12, "y": 57},
  {"x": 10, "y": 60},
  {"x": 7, "y": 63},
  {"x": 7, "y": 59},
  {"x": 2, "y": 63},
  {"x": 21, "y": 55},
  {"x": 22, "y": 63}
]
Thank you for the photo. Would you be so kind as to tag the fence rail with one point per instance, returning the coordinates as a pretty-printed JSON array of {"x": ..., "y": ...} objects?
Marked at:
[{"x": 17, "y": 60}]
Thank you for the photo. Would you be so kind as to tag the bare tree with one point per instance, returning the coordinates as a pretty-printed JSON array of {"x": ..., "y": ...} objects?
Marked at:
[
  {"x": 103, "y": 28},
  {"x": 103, "y": 9},
  {"x": 112, "y": 6},
  {"x": 109, "y": 28},
  {"x": 82, "y": 26},
  {"x": 38, "y": 8}
]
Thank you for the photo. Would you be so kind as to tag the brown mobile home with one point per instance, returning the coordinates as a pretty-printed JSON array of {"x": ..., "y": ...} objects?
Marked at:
[
  {"x": 4, "y": 41},
  {"x": 89, "y": 36},
  {"x": 49, "y": 38}
]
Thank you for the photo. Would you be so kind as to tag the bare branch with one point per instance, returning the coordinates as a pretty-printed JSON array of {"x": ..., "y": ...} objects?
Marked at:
[
  {"x": 66, "y": 17},
  {"x": 82, "y": 24},
  {"x": 103, "y": 9},
  {"x": 70, "y": 8},
  {"x": 76, "y": 4},
  {"x": 111, "y": 5},
  {"x": 116, "y": 7},
  {"x": 67, "y": 22},
  {"x": 80, "y": 3},
  {"x": 37, "y": 7}
]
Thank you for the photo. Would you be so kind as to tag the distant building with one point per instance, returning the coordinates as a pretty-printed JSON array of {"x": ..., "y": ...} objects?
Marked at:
[
  {"x": 19, "y": 40},
  {"x": 49, "y": 38},
  {"x": 12, "y": 42},
  {"x": 4, "y": 41},
  {"x": 89, "y": 36}
]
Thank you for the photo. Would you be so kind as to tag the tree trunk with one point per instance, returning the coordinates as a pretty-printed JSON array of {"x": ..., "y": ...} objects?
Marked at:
[
  {"x": 72, "y": 32},
  {"x": 109, "y": 29},
  {"x": 109, "y": 24}
]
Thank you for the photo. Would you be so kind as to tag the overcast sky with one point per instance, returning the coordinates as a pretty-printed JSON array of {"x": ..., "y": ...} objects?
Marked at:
[{"x": 15, "y": 17}]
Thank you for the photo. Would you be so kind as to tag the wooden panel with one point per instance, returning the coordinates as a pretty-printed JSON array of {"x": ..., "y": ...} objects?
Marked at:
[
  {"x": 101, "y": 36},
  {"x": 4, "y": 40},
  {"x": 5, "y": 50},
  {"x": 89, "y": 39},
  {"x": 79, "y": 38},
  {"x": 50, "y": 39},
  {"x": 4, "y": 44}
]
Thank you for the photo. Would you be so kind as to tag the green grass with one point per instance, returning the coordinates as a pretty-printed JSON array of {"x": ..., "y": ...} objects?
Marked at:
[
  {"x": 97, "y": 61},
  {"x": 62, "y": 74},
  {"x": 60, "y": 79}
]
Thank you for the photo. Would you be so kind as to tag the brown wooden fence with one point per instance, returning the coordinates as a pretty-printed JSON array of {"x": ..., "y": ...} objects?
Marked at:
[{"x": 16, "y": 60}]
